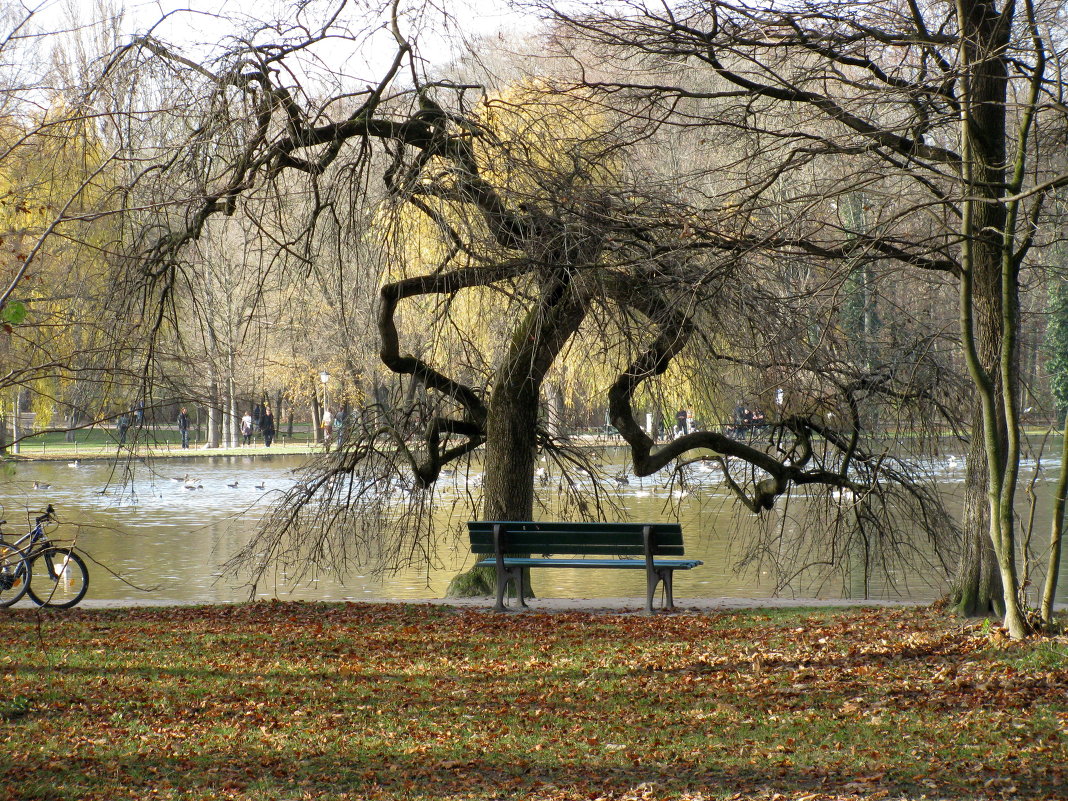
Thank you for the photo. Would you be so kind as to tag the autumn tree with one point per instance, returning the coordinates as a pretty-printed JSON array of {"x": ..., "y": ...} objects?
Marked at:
[{"x": 538, "y": 227}]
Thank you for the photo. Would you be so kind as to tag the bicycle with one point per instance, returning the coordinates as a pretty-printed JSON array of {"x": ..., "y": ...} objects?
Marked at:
[
  {"x": 61, "y": 575},
  {"x": 14, "y": 573}
]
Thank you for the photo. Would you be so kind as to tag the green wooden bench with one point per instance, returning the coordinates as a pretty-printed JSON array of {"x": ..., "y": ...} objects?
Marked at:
[{"x": 588, "y": 545}]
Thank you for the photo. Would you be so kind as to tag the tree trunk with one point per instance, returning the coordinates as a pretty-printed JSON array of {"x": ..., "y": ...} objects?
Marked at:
[
  {"x": 554, "y": 410},
  {"x": 508, "y": 480},
  {"x": 214, "y": 423},
  {"x": 976, "y": 590},
  {"x": 316, "y": 418},
  {"x": 1056, "y": 535},
  {"x": 989, "y": 288},
  {"x": 512, "y": 418}
]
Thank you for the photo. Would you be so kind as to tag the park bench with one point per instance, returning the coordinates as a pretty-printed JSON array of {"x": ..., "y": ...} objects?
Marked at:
[{"x": 586, "y": 545}]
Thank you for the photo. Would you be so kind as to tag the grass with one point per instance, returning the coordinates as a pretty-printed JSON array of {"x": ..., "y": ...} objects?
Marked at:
[
  {"x": 296, "y": 700},
  {"x": 103, "y": 443}
]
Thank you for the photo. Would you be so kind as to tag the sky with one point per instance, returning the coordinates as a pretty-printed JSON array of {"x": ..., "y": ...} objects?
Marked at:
[{"x": 198, "y": 25}]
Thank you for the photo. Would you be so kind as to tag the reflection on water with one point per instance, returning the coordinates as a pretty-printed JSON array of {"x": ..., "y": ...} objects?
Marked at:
[{"x": 162, "y": 532}]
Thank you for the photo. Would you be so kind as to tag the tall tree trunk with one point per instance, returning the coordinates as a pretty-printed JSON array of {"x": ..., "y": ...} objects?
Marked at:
[
  {"x": 976, "y": 589},
  {"x": 512, "y": 417},
  {"x": 1056, "y": 534},
  {"x": 231, "y": 402},
  {"x": 214, "y": 436},
  {"x": 989, "y": 290},
  {"x": 508, "y": 478},
  {"x": 316, "y": 416},
  {"x": 511, "y": 449}
]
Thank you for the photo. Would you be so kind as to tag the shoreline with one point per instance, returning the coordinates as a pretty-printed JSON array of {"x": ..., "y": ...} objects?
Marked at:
[{"x": 627, "y": 605}]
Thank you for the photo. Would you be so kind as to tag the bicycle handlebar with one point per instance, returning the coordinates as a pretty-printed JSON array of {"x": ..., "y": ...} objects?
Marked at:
[{"x": 49, "y": 514}]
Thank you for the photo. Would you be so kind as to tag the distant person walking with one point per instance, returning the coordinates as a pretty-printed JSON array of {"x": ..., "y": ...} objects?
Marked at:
[
  {"x": 328, "y": 428},
  {"x": 246, "y": 428},
  {"x": 124, "y": 426},
  {"x": 183, "y": 427},
  {"x": 340, "y": 419},
  {"x": 267, "y": 426}
]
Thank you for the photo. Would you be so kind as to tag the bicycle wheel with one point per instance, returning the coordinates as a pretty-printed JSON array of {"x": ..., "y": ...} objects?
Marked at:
[
  {"x": 61, "y": 575},
  {"x": 14, "y": 574}
]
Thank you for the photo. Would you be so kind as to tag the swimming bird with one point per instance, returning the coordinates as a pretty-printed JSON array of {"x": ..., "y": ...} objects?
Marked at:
[
  {"x": 262, "y": 485},
  {"x": 75, "y": 463},
  {"x": 41, "y": 485},
  {"x": 232, "y": 484},
  {"x": 843, "y": 495}
]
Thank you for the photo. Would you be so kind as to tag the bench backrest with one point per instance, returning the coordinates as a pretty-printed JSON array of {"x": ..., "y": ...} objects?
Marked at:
[{"x": 586, "y": 539}]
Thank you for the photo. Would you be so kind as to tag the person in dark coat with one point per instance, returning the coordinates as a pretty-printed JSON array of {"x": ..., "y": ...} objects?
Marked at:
[
  {"x": 183, "y": 427},
  {"x": 267, "y": 426}
]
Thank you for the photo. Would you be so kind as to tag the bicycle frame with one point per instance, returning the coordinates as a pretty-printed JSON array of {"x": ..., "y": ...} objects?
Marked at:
[{"x": 35, "y": 539}]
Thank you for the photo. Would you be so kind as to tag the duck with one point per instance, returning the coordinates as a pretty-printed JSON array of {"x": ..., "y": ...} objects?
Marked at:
[
  {"x": 621, "y": 479},
  {"x": 76, "y": 463},
  {"x": 180, "y": 479},
  {"x": 232, "y": 484},
  {"x": 40, "y": 485},
  {"x": 843, "y": 495},
  {"x": 260, "y": 486}
]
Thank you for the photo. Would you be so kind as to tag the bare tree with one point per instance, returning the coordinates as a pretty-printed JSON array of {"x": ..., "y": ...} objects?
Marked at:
[
  {"x": 942, "y": 100},
  {"x": 527, "y": 202}
]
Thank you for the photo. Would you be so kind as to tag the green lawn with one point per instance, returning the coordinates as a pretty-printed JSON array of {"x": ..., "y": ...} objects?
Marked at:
[
  {"x": 296, "y": 700},
  {"x": 98, "y": 442}
]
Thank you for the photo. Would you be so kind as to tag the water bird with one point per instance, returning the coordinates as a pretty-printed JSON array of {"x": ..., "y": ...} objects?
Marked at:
[
  {"x": 621, "y": 479},
  {"x": 232, "y": 484},
  {"x": 180, "y": 479},
  {"x": 843, "y": 495},
  {"x": 39, "y": 485},
  {"x": 75, "y": 463},
  {"x": 261, "y": 485}
]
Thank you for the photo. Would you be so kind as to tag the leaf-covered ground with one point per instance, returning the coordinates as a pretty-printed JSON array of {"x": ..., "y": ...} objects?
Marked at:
[{"x": 295, "y": 701}]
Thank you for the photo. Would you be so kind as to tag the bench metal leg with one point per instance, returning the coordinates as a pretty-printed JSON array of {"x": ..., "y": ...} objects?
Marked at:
[
  {"x": 513, "y": 576},
  {"x": 653, "y": 578}
]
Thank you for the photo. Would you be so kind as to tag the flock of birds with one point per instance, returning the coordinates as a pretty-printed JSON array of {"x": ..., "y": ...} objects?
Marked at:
[
  {"x": 188, "y": 482},
  {"x": 541, "y": 475}
]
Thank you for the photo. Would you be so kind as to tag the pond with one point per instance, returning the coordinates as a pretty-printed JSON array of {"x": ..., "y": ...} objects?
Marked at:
[{"x": 151, "y": 539}]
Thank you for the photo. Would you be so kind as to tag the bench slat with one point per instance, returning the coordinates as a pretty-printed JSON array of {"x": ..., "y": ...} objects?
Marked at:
[
  {"x": 629, "y": 564},
  {"x": 593, "y": 539}
]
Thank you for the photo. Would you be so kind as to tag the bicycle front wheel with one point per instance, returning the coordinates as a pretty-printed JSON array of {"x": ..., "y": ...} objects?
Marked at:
[
  {"x": 14, "y": 574},
  {"x": 61, "y": 577}
]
